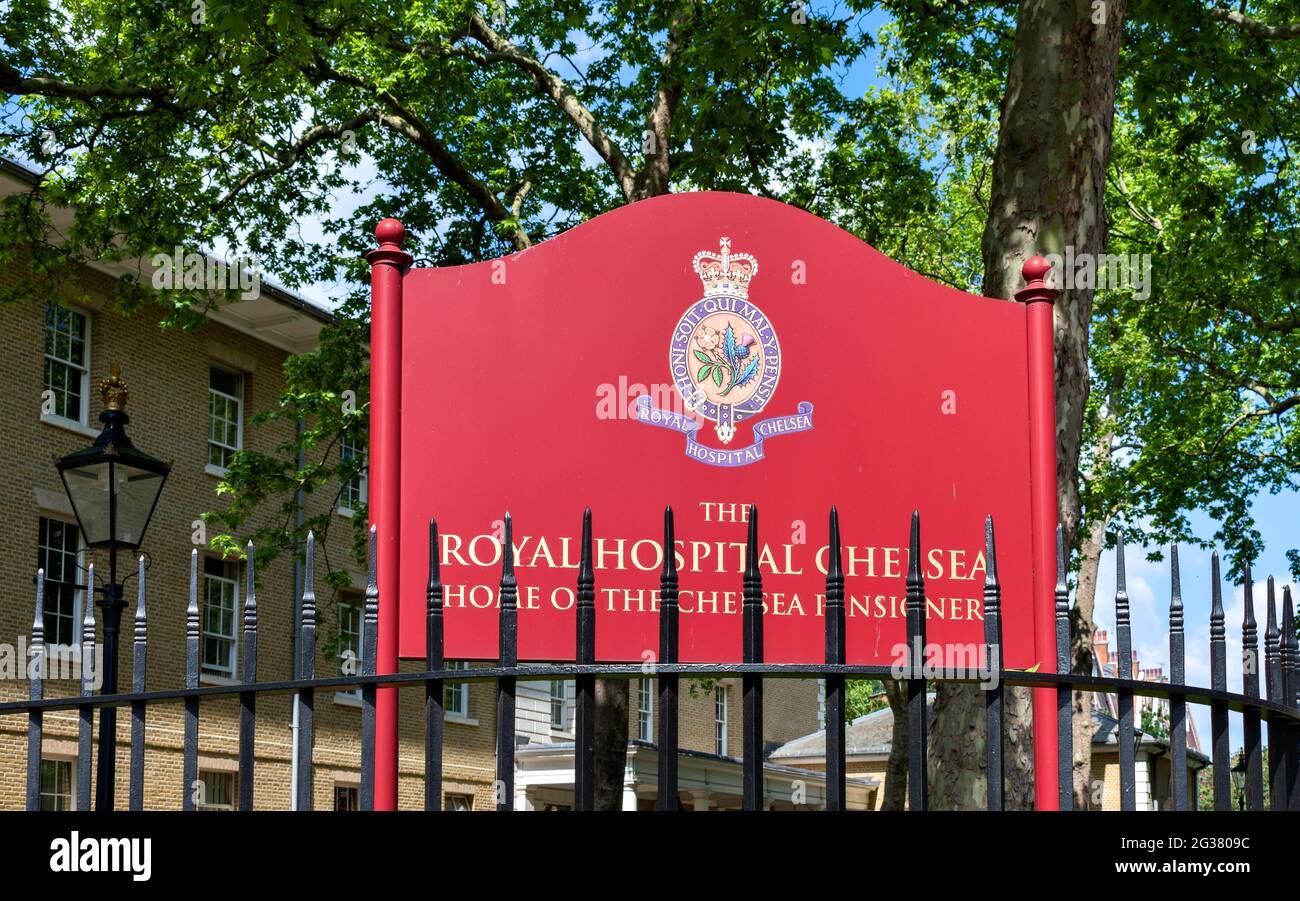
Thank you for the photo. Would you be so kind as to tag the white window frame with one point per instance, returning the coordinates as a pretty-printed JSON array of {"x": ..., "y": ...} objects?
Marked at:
[
  {"x": 79, "y": 595},
  {"x": 459, "y": 692},
  {"x": 214, "y": 468},
  {"x": 362, "y": 480},
  {"x": 72, "y": 779},
  {"x": 205, "y": 778},
  {"x": 82, "y": 423},
  {"x": 645, "y": 710},
  {"x": 454, "y": 800},
  {"x": 345, "y": 605},
  {"x": 721, "y": 711},
  {"x": 212, "y": 672},
  {"x": 559, "y": 703}
]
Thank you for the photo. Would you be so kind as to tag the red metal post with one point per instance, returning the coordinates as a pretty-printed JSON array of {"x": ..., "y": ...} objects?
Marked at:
[
  {"x": 1038, "y": 298},
  {"x": 387, "y": 264}
]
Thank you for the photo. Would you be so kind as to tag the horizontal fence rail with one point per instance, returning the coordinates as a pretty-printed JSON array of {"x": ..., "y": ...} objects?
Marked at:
[{"x": 1273, "y": 701}]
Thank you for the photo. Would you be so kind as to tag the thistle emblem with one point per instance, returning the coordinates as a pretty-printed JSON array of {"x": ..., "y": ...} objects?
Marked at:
[
  {"x": 734, "y": 353},
  {"x": 725, "y": 361}
]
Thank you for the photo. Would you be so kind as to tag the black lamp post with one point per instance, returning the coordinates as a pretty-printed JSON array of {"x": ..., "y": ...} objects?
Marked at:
[
  {"x": 113, "y": 488},
  {"x": 1238, "y": 772}
]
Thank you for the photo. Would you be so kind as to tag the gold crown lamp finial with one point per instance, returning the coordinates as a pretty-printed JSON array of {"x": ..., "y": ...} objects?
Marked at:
[{"x": 113, "y": 389}]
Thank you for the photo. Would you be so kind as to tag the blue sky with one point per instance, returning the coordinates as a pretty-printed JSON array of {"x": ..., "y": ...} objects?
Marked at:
[
  {"x": 1277, "y": 518},
  {"x": 1148, "y": 584}
]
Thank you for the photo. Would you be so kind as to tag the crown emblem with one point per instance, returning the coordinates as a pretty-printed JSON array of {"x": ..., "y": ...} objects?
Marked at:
[
  {"x": 725, "y": 272},
  {"x": 113, "y": 389}
]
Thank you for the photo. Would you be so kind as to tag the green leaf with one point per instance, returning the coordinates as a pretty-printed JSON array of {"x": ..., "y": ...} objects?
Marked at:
[
  {"x": 703, "y": 357},
  {"x": 703, "y": 373},
  {"x": 717, "y": 376}
]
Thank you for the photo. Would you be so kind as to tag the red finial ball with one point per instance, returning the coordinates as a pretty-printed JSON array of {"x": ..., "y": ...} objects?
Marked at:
[
  {"x": 1035, "y": 268},
  {"x": 390, "y": 231}
]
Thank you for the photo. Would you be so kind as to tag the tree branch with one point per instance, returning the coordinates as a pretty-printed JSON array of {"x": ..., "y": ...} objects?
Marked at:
[
  {"x": 652, "y": 180},
  {"x": 14, "y": 82},
  {"x": 1254, "y": 26},
  {"x": 503, "y": 50},
  {"x": 402, "y": 121},
  {"x": 286, "y": 158}
]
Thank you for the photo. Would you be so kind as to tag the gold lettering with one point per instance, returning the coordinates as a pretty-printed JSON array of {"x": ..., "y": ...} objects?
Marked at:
[
  {"x": 567, "y": 561},
  {"x": 496, "y": 550},
  {"x": 543, "y": 551},
  {"x": 936, "y": 564},
  {"x": 789, "y": 561},
  {"x": 529, "y": 598},
  {"x": 957, "y": 559},
  {"x": 609, "y": 594},
  {"x": 681, "y": 601},
  {"x": 699, "y": 551},
  {"x": 617, "y": 553},
  {"x": 854, "y": 560},
  {"x": 891, "y": 563},
  {"x": 449, "y": 551},
  {"x": 482, "y": 596},
  {"x": 653, "y": 564}
]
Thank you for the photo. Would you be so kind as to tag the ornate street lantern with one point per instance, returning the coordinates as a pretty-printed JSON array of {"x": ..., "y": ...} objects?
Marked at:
[{"x": 113, "y": 487}]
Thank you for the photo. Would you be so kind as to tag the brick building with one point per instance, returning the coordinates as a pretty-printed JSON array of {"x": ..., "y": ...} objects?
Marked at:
[{"x": 193, "y": 395}]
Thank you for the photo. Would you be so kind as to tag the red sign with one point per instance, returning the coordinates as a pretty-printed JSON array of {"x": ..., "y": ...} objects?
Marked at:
[{"x": 708, "y": 351}]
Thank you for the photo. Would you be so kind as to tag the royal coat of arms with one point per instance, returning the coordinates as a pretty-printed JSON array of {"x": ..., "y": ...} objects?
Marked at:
[{"x": 725, "y": 361}]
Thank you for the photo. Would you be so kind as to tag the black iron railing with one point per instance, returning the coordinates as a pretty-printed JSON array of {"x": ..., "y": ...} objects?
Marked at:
[{"x": 1280, "y": 708}]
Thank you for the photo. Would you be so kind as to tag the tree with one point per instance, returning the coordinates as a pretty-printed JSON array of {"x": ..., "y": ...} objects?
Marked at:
[
  {"x": 227, "y": 123},
  {"x": 1196, "y": 403},
  {"x": 488, "y": 132}
]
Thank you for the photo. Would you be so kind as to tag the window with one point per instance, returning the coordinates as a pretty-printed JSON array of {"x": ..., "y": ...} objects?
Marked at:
[
  {"x": 58, "y": 546},
  {"x": 352, "y": 493},
  {"x": 216, "y": 790},
  {"x": 557, "y": 703},
  {"x": 459, "y": 802},
  {"x": 720, "y": 720},
  {"x": 347, "y": 797},
  {"x": 56, "y": 784},
  {"x": 645, "y": 710},
  {"x": 225, "y": 416},
  {"x": 348, "y": 651},
  {"x": 67, "y": 364},
  {"x": 456, "y": 696},
  {"x": 220, "y": 603}
]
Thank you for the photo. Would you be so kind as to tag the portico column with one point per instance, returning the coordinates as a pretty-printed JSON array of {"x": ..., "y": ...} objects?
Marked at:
[{"x": 700, "y": 800}]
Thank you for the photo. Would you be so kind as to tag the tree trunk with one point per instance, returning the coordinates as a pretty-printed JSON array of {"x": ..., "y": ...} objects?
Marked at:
[
  {"x": 652, "y": 181},
  {"x": 1047, "y": 194},
  {"x": 1082, "y": 623},
  {"x": 956, "y": 761},
  {"x": 1049, "y": 175},
  {"x": 896, "y": 768},
  {"x": 611, "y": 743},
  {"x": 1081, "y": 629}
]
